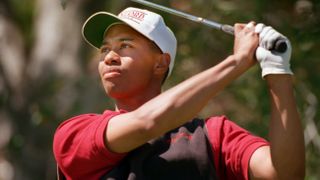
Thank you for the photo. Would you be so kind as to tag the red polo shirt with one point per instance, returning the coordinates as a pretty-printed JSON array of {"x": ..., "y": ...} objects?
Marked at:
[{"x": 81, "y": 153}]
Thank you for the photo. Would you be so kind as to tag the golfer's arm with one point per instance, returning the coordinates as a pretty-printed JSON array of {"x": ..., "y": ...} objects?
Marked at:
[
  {"x": 285, "y": 156},
  {"x": 171, "y": 108}
]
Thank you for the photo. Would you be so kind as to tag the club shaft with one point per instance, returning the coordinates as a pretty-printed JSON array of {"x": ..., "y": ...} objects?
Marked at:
[
  {"x": 197, "y": 19},
  {"x": 279, "y": 46}
]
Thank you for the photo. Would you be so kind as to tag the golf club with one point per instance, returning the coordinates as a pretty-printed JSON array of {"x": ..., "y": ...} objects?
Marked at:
[{"x": 279, "y": 46}]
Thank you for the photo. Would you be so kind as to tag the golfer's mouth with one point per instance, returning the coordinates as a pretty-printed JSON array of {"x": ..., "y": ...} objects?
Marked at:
[{"x": 111, "y": 74}]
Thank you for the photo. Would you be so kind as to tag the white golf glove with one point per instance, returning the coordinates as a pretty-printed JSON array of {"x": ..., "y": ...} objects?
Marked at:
[{"x": 272, "y": 62}]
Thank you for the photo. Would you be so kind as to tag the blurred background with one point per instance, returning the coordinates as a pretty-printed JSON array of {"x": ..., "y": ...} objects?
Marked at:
[{"x": 48, "y": 73}]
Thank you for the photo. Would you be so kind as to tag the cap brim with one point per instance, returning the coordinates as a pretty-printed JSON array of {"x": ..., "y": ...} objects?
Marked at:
[{"x": 93, "y": 29}]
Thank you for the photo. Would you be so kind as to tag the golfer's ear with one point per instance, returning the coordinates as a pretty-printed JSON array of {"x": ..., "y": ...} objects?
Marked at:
[{"x": 162, "y": 64}]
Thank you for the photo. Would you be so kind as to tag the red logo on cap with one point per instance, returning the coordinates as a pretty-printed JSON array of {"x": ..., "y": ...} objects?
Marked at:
[{"x": 133, "y": 15}]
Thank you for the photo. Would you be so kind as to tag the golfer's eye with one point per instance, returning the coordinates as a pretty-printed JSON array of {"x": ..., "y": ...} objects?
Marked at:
[
  {"x": 104, "y": 49},
  {"x": 125, "y": 46}
]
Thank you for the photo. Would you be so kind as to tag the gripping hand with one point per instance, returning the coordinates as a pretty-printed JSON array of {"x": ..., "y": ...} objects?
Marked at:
[{"x": 272, "y": 62}]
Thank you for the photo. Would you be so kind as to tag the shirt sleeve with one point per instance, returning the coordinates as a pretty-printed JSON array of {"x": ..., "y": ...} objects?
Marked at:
[
  {"x": 232, "y": 147},
  {"x": 79, "y": 147}
]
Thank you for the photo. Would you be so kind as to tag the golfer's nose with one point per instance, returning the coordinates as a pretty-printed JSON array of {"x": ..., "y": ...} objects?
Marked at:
[{"x": 112, "y": 58}]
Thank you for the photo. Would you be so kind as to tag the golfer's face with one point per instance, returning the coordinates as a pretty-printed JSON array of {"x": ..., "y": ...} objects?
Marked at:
[{"x": 127, "y": 62}]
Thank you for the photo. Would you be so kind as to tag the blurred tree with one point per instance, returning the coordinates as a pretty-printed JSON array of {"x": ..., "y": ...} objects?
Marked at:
[{"x": 48, "y": 73}]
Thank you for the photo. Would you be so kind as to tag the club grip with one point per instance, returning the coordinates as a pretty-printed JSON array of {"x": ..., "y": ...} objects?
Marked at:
[{"x": 280, "y": 45}]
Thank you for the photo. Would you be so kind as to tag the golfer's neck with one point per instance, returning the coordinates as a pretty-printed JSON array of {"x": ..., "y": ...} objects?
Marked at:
[{"x": 132, "y": 103}]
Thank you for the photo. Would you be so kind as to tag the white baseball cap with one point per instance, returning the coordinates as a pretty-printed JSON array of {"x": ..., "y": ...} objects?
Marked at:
[{"x": 149, "y": 24}]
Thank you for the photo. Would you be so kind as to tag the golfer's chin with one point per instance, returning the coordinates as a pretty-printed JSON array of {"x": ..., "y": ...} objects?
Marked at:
[{"x": 112, "y": 90}]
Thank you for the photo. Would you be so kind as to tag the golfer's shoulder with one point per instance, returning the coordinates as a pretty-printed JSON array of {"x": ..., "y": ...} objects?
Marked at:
[
  {"x": 220, "y": 127},
  {"x": 217, "y": 122},
  {"x": 79, "y": 119},
  {"x": 88, "y": 118}
]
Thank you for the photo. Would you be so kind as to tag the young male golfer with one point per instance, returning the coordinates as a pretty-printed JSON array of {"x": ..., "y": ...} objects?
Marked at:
[{"x": 154, "y": 135}]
